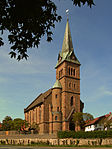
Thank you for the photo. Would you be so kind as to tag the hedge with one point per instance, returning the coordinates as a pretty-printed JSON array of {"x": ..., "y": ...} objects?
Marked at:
[{"x": 84, "y": 135}]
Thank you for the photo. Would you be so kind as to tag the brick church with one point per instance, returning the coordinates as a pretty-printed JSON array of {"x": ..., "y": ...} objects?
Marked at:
[{"x": 53, "y": 110}]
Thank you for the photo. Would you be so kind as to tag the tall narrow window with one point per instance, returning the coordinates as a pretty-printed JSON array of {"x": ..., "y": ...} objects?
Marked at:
[
  {"x": 69, "y": 84},
  {"x": 59, "y": 74},
  {"x": 57, "y": 109},
  {"x": 56, "y": 117},
  {"x": 74, "y": 72},
  {"x": 33, "y": 115},
  {"x": 71, "y": 101},
  {"x": 40, "y": 113},
  {"x": 56, "y": 96},
  {"x": 71, "y": 71}
]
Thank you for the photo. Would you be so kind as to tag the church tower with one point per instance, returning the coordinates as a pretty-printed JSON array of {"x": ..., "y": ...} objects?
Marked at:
[
  {"x": 53, "y": 110},
  {"x": 68, "y": 74}
]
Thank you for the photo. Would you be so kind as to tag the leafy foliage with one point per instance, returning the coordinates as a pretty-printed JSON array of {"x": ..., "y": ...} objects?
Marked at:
[
  {"x": 17, "y": 124},
  {"x": 34, "y": 127},
  {"x": 27, "y": 21},
  {"x": 7, "y": 123},
  {"x": 83, "y": 2},
  {"x": 79, "y": 118},
  {"x": 84, "y": 135}
]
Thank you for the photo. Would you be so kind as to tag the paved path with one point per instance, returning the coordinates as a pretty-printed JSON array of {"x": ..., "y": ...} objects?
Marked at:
[
  {"x": 45, "y": 136},
  {"x": 27, "y": 147}
]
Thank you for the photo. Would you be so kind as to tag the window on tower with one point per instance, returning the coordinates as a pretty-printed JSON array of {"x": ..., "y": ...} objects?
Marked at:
[
  {"x": 56, "y": 96},
  {"x": 71, "y": 101},
  {"x": 74, "y": 86},
  {"x": 56, "y": 117},
  {"x": 71, "y": 71},
  {"x": 60, "y": 73},
  {"x": 57, "y": 109},
  {"x": 74, "y": 72},
  {"x": 69, "y": 84}
]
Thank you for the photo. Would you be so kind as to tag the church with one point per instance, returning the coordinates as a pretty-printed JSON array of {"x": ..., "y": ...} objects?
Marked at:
[{"x": 53, "y": 110}]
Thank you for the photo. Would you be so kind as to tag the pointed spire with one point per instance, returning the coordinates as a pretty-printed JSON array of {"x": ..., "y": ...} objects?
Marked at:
[
  {"x": 67, "y": 52},
  {"x": 67, "y": 42}
]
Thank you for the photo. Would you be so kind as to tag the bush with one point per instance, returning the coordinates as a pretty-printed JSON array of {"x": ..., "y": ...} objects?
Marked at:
[{"x": 84, "y": 135}]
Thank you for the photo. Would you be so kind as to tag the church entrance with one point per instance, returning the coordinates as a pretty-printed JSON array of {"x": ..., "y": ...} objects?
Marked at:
[{"x": 71, "y": 125}]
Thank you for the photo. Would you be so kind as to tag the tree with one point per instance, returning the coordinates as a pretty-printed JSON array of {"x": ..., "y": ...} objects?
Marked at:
[
  {"x": 7, "y": 123},
  {"x": 27, "y": 21},
  {"x": 18, "y": 123},
  {"x": 79, "y": 118},
  {"x": 35, "y": 127},
  {"x": 87, "y": 116}
]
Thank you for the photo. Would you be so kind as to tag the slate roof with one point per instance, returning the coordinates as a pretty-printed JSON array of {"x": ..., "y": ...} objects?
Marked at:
[
  {"x": 57, "y": 84},
  {"x": 40, "y": 99},
  {"x": 67, "y": 48}
]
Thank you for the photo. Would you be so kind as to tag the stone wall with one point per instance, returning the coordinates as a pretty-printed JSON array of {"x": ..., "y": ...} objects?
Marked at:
[
  {"x": 8, "y": 133},
  {"x": 77, "y": 142}
]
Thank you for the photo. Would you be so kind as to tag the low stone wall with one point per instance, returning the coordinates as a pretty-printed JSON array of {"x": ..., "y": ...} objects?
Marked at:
[
  {"x": 77, "y": 142},
  {"x": 9, "y": 133}
]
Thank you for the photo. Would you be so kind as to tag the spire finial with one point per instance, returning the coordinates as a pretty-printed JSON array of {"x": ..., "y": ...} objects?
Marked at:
[{"x": 67, "y": 13}]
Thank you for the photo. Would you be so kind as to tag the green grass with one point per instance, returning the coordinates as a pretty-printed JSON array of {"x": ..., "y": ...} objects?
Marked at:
[{"x": 46, "y": 145}]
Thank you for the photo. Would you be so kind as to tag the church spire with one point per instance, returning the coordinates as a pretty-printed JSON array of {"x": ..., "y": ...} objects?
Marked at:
[
  {"x": 67, "y": 42},
  {"x": 67, "y": 52}
]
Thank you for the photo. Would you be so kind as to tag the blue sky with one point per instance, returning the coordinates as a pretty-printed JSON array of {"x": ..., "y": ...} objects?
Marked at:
[{"x": 91, "y": 30}]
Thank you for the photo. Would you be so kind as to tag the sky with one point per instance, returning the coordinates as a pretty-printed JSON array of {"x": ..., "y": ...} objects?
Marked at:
[{"x": 91, "y": 31}]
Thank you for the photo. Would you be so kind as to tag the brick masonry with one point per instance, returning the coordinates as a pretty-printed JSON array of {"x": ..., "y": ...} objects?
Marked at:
[{"x": 53, "y": 110}]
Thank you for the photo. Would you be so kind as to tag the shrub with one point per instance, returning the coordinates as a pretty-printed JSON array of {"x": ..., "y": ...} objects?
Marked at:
[{"x": 84, "y": 135}]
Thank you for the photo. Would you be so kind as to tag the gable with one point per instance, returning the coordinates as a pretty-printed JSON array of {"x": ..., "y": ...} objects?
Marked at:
[{"x": 39, "y": 100}]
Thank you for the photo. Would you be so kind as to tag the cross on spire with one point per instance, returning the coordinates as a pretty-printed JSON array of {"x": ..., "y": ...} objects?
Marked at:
[{"x": 67, "y": 13}]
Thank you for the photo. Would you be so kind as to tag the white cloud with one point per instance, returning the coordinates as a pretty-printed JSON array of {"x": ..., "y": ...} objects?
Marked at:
[
  {"x": 99, "y": 93},
  {"x": 105, "y": 91}
]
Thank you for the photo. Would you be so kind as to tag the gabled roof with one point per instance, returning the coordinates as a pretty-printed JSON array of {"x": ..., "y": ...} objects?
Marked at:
[
  {"x": 96, "y": 120},
  {"x": 38, "y": 100}
]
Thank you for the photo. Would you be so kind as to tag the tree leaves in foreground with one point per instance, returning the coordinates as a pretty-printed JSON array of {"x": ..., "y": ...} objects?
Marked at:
[{"x": 27, "y": 21}]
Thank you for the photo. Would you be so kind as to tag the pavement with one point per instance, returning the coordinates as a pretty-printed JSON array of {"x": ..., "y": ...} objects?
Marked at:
[{"x": 28, "y": 147}]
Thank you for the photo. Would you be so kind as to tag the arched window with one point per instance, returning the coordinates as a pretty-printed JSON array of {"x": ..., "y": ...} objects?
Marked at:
[
  {"x": 57, "y": 109},
  {"x": 69, "y": 84},
  {"x": 74, "y": 86},
  {"x": 56, "y": 96},
  {"x": 71, "y": 71},
  {"x": 74, "y": 72},
  {"x": 56, "y": 117},
  {"x": 71, "y": 101}
]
